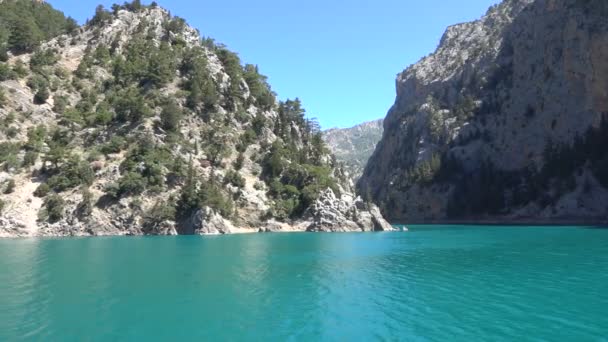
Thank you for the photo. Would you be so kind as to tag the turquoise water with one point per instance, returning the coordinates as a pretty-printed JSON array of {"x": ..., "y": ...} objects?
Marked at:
[{"x": 432, "y": 284}]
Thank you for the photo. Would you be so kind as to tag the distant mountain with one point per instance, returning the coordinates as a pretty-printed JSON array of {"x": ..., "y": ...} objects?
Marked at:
[
  {"x": 506, "y": 121},
  {"x": 353, "y": 146}
]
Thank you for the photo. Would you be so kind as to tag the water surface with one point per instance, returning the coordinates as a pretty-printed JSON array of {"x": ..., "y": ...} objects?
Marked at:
[{"x": 434, "y": 283}]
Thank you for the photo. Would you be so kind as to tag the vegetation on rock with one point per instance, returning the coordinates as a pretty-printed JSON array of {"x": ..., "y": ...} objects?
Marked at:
[{"x": 142, "y": 122}]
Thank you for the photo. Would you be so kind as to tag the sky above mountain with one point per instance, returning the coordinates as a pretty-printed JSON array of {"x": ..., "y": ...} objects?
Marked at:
[{"x": 339, "y": 57}]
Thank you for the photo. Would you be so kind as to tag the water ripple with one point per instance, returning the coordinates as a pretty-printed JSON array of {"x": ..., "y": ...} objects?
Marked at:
[{"x": 470, "y": 283}]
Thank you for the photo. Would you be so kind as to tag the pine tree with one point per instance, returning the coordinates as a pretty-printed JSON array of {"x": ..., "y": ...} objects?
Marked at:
[
  {"x": 188, "y": 197},
  {"x": 25, "y": 35},
  {"x": 101, "y": 16},
  {"x": 171, "y": 116}
]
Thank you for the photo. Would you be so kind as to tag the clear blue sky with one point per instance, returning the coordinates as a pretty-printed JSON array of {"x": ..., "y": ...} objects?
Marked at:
[{"x": 340, "y": 57}]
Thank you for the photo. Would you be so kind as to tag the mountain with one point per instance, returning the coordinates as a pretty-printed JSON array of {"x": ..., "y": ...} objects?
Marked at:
[
  {"x": 134, "y": 124},
  {"x": 353, "y": 146},
  {"x": 506, "y": 121}
]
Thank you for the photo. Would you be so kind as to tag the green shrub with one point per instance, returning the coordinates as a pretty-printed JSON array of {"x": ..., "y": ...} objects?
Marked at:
[
  {"x": 210, "y": 194},
  {"x": 207, "y": 194},
  {"x": 103, "y": 114},
  {"x": 8, "y": 155},
  {"x": 85, "y": 207},
  {"x": 11, "y": 163},
  {"x": 133, "y": 6},
  {"x": 3, "y": 98},
  {"x": 217, "y": 150},
  {"x": 175, "y": 25},
  {"x": 131, "y": 106},
  {"x": 284, "y": 209},
  {"x": 9, "y": 119},
  {"x": 83, "y": 70},
  {"x": 258, "y": 124},
  {"x": 259, "y": 186},
  {"x": 30, "y": 158},
  {"x": 37, "y": 82},
  {"x": 112, "y": 190},
  {"x": 62, "y": 73},
  {"x": 42, "y": 58},
  {"x": 101, "y": 16},
  {"x": 19, "y": 69},
  {"x": 234, "y": 178},
  {"x": 274, "y": 162},
  {"x": 6, "y": 73},
  {"x": 115, "y": 145},
  {"x": 132, "y": 183},
  {"x": 240, "y": 160},
  {"x": 42, "y": 190},
  {"x": 71, "y": 174},
  {"x": 41, "y": 96},
  {"x": 61, "y": 103},
  {"x": 232, "y": 66},
  {"x": 72, "y": 118},
  {"x": 11, "y": 132},
  {"x": 159, "y": 213},
  {"x": 35, "y": 138},
  {"x": 170, "y": 117},
  {"x": 54, "y": 207},
  {"x": 258, "y": 87},
  {"x": 200, "y": 84}
]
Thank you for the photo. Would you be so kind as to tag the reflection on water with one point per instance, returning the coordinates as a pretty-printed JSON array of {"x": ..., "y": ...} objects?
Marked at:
[{"x": 436, "y": 283}]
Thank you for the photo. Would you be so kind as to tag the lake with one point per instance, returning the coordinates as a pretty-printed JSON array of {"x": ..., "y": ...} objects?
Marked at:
[{"x": 435, "y": 283}]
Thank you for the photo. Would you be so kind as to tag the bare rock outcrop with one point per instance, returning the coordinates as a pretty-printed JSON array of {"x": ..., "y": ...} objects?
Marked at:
[
  {"x": 207, "y": 221},
  {"x": 345, "y": 213}
]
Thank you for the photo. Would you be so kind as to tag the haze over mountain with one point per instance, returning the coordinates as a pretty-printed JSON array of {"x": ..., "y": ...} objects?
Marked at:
[{"x": 353, "y": 146}]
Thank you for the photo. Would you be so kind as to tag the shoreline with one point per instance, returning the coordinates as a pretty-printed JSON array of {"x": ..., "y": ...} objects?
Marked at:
[
  {"x": 513, "y": 222},
  {"x": 236, "y": 233},
  {"x": 599, "y": 224}
]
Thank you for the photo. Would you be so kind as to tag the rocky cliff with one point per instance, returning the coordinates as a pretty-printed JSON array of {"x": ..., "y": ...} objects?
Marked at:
[
  {"x": 353, "y": 146},
  {"x": 504, "y": 121},
  {"x": 134, "y": 124}
]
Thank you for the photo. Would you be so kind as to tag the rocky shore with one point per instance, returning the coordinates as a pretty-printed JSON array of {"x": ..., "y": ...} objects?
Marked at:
[{"x": 330, "y": 213}]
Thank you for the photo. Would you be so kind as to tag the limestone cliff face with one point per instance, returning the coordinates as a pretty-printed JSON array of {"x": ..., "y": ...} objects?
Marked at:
[
  {"x": 501, "y": 120},
  {"x": 353, "y": 146}
]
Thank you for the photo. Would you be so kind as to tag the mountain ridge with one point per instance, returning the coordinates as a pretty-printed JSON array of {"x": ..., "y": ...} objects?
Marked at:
[{"x": 353, "y": 146}]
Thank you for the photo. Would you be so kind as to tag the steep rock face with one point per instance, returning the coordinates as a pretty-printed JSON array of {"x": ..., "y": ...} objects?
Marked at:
[
  {"x": 353, "y": 146},
  {"x": 133, "y": 124},
  {"x": 501, "y": 121}
]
